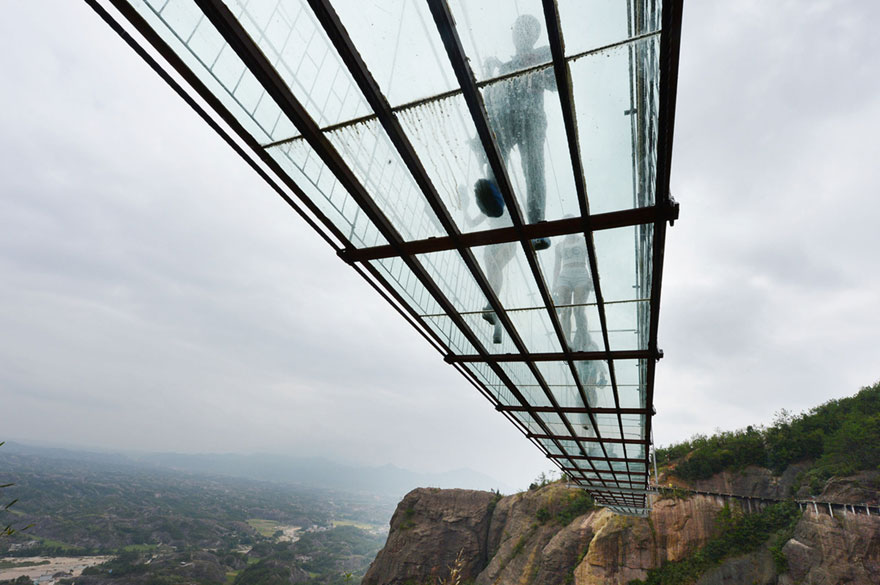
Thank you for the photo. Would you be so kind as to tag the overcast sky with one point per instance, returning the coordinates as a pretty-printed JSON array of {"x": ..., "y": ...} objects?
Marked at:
[{"x": 156, "y": 295}]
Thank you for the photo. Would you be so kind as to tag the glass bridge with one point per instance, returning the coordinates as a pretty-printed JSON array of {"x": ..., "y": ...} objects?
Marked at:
[{"x": 498, "y": 170}]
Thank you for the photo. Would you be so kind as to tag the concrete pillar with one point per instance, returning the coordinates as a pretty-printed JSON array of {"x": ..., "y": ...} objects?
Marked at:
[
  {"x": 830, "y": 511},
  {"x": 815, "y": 507}
]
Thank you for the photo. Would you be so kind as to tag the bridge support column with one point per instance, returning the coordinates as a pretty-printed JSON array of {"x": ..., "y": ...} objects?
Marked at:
[
  {"x": 815, "y": 508},
  {"x": 830, "y": 511},
  {"x": 867, "y": 510}
]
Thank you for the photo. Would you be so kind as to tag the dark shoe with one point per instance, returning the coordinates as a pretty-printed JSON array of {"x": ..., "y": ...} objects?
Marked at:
[
  {"x": 496, "y": 335},
  {"x": 489, "y": 198},
  {"x": 541, "y": 243}
]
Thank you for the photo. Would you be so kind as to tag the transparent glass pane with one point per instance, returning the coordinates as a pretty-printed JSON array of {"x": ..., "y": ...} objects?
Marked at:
[
  {"x": 306, "y": 168},
  {"x": 623, "y": 321},
  {"x": 602, "y": 465},
  {"x": 490, "y": 380},
  {"x": 442, "y": 134},
  {"x": 594, "y": 23},
  {"x": 289, "y": 35},
  {"x": 398, "y": 41},
  {"x": 535, "y": 329},
  {"x": 520, "y": 374},
  {"x": 570, "y": 446},
  {"x": 618, "y": 133},
  {"x": 632, "y": 397},
  {"x": 567, "y": 396},
  {"x": 182, "y": 25},
  {"x": 550, "y": 446},
  {"x": 554, "y": 422},
  {"x": 593, "y": 376},
  {"x": 489, "y": 32},
  {"x": 510, "y": 276},
  {"x": 627, "y": 373},
  {"x": 531, "y": 424},
  {"x": 448, "y": 331},
  {"x": 617, "y": 260},
  {"x": 367, "y": 150}
]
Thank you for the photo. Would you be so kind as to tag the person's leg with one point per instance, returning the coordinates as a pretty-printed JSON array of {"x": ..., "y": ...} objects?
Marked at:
[
  {"x": 496, "y": 257},
  {"x": 532, "y": 153},
  {"x": 580, "y": 294},
  {"x": 562, "y": 296}
]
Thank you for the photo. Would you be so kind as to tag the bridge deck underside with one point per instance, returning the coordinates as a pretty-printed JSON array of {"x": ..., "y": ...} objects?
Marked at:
[{"x": 374, "y": 120}]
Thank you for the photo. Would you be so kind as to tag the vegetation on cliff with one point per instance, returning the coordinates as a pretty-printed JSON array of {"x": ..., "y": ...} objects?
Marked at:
[
  {"x": 841, "y": 437},
  {"x": 738, "y": 534}
]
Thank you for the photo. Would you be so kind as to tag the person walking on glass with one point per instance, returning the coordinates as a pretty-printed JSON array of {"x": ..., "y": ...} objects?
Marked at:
[{"x": 516, "y": 113}]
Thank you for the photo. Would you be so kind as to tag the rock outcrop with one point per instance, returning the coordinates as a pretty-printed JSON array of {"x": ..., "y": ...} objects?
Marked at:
[
  {"x": 429, "y": 530},
  {"x": 515, "y": 541}
]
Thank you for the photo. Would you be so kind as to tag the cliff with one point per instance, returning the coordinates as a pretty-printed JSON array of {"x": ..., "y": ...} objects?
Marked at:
[{"x": 533, "y": 538}]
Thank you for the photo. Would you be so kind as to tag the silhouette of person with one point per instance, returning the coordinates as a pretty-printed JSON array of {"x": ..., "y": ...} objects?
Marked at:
[
  {"x": 572, "y": 284},
  {"x": 516, "y": 112}
]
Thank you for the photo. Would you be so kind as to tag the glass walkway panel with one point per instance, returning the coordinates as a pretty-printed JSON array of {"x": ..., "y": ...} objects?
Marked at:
[{"x": 498, "y": 171}]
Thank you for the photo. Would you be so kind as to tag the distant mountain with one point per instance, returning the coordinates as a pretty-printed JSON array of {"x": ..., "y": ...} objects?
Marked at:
[{"x": 315, "y": 472}]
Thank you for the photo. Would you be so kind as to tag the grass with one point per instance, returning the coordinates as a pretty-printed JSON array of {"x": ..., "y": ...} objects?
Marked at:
[
  {"x": 264, "y": 527},
  {"x": 55, "y": 543},
  {"x": 4, "y": 564},
  {"x": 140, "y": 547}
]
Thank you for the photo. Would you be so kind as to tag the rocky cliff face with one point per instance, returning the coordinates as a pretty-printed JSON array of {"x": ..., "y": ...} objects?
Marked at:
[{"x": 523, "y": 540}]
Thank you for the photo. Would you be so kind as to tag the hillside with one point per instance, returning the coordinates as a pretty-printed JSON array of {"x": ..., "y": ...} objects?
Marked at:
[
  {"x": 553, "y": 534},
  {"x": 839, "y": 438},
  {"x": 172, "y": 528}
]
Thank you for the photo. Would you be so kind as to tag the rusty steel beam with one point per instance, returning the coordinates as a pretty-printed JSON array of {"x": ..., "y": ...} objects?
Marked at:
[{"x": 544, "y": 229}]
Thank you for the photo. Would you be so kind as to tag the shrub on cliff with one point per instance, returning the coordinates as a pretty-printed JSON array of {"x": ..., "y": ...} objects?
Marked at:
[{"x": 840, "y": 436}]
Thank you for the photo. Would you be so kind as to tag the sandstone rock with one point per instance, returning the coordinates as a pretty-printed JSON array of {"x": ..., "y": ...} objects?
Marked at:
[
  {"x": 757, "y": 482},
  {"x": 511, "y": 543},
  {"x": 529, "y": 550},
  {"x": 863, "y": 488},
  {"x": 429, "y": 529},
  {"x": 826, "y": 550}
]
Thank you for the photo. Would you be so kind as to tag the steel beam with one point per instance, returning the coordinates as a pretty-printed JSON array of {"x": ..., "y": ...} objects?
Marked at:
[{"x": 546, "y": 229}]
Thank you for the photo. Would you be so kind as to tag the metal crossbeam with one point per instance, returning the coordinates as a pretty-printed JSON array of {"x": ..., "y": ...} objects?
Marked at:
[
  {"x": 544, "y": 229},
  {"x": 592, "y": 439}
]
